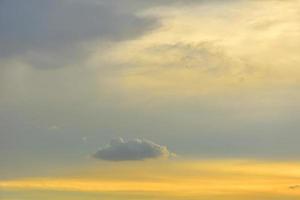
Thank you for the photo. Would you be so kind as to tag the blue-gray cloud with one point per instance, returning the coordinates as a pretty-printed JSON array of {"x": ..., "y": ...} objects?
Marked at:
[
  {"x": 136, "y": 149},
  {"x": 49, "y": 30}
]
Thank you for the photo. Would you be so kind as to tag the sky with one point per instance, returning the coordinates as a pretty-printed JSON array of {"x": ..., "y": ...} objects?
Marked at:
[{"x": 161, "y": 99}]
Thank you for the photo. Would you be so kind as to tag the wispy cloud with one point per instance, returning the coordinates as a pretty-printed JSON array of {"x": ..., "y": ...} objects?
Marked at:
[{"x": 237, "y": 39}]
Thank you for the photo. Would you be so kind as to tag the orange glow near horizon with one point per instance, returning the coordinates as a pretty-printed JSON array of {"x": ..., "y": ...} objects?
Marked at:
[{"x": 171, "y": 178}]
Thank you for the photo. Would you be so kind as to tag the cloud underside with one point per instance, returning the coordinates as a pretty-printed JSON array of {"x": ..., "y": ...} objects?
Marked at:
[
  {"x": 136, "y": 149},
  {"x": 55, "y": 33}
]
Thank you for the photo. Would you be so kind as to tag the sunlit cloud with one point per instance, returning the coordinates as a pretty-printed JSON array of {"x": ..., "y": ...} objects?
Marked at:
[{"x": 207, "y": 48}]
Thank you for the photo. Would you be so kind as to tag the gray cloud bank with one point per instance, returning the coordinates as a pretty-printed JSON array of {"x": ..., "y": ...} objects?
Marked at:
[
  {"x": 43, "y": 31},
  {"x": 135, "y": 149}
]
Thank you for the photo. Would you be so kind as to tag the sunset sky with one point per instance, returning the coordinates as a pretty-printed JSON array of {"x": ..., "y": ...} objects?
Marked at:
[{"x": 149, "y": 99}]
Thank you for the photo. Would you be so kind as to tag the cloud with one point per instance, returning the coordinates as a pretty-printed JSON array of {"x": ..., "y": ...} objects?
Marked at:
[
  {"x": 294, "y": 187},
  {"x": 180, "y": 68},
  {"x": 54, "y": 32},
  {"x": 213, "y": 58},
  {"x": 136, "y": 149}
]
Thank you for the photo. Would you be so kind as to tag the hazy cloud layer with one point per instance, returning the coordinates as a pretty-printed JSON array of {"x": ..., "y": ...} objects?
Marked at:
[
  {"x": 216, "y": 78},
  {"x": 136, "y": 149}
]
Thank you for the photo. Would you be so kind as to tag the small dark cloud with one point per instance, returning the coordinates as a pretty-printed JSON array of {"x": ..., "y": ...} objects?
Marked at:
[
  {"x": 294, "y": 187},
  {"x": 136, "y": 149}
]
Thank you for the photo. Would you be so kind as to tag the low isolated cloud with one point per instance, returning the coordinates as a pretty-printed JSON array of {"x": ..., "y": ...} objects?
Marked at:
[{"x": 135, "y": 149}]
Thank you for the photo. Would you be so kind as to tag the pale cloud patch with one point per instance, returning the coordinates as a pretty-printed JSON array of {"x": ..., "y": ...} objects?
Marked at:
[{"x": 208, "y": 47}]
